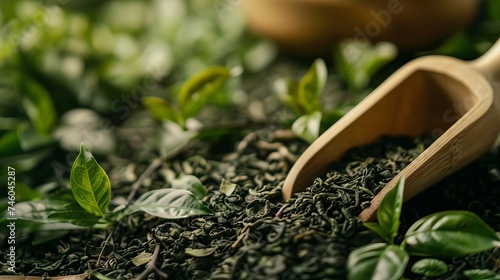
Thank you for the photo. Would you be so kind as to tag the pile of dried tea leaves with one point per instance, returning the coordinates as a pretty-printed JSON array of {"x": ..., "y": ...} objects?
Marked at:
[
  {"x": 314, "y": 231},
  {"x": 254, "y": 234}
]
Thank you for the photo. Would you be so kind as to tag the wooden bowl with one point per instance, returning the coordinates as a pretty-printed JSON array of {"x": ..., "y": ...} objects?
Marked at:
[{"x": 312, "y": 27}]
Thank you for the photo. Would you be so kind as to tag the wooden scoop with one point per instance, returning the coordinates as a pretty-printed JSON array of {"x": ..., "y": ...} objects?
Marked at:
[
  {"x": 314, "y": 26},
  {"x": 452, "y": 100}
]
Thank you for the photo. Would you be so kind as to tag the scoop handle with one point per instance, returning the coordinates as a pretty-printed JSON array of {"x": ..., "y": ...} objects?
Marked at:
[{"x": 489, "y": 64}]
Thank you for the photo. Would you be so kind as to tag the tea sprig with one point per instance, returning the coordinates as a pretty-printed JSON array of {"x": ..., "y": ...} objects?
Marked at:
[
  {"x": 87, "y": 205},
  {"x": 444, "y": 234}
]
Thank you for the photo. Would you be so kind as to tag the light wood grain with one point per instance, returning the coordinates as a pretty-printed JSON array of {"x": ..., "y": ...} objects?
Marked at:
[{"x": 450, "y": 99}]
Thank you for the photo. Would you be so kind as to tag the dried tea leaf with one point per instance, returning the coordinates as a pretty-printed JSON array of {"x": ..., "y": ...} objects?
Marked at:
[
  {"x": 200, "y": 252},
  {"x": 68, "y": 277},
  {"x": 227, "y": 187},
  {"x": 142, "y": 258}
]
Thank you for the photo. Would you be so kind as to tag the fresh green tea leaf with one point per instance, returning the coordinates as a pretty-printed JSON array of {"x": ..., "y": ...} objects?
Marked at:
[
  {"x": 25, "y": 192},
  {"x": 33, "y": 211},
  {"x": 38, "y": 105},
  {"x": 357, "y": 61},
  {"x": 449, "y": 234},
  {"x": 170, "y": 204},
  {"x": 9, "y": 144},
  {"x": 390, "y": 210},
  {"x": 173, "y": 138},
  {"x": 162, "y": 110},
  {"x": 90, "y": 183},
  {"x": 377, "y": 261},
  {"x": 227, "y": 187},
  {"x": 196, "y": 91},
  {"x": 377, "y": 228},
  {"x": 287, "y": 91},
  {"x": 192, "y": 184},
  {"x": 307, "y": 127},
  {"x": 429, "y": 267},
  {"x": 73, "y": 213},
  {"x": 311, "y": 85},
  {"x": 30, "y": 139},
  {"x": 52, "y": 211},
  {"x": 481, "y": 274}
]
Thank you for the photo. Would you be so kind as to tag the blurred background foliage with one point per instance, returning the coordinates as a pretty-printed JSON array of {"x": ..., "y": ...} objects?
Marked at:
[
  {"x": 69, "y": 67},
  {"x": 56, "y": 56}
]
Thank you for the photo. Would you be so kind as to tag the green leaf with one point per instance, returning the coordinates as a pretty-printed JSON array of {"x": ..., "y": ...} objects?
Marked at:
[
  {"x": 52, "y": 211},
  {"x": 311, "y": 85},
  {"x": 390, "y": 210},
  {"x": 170, "y": 204},
  {"x": 449, "y": 234},
  {"x": 73, "y": 213},
  {"x": 162, "y": 110},
  {"x": 38, "y": 105},
  {"x": 377, "y": 261},
  {"x": 357, "y": 61},
  {"x": 430, "y": 267},
  {"x": 9, "y": 144},
  {"x": 90, "y": 184},
  {"x": 307, "y": 127},
  {"x": 287, "y": 91},
  {"x": 25, "y": 192},
  {"x": 192, "y": 184},
  {"x": 481, "y": 274},
  {"x": 378, "y": 229},
  {"x": 173, "y": 138},
  {"x": 227, "y": 187},
  {"x": 197, "y": 89},
  {"x": 30, "y": 139}
]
